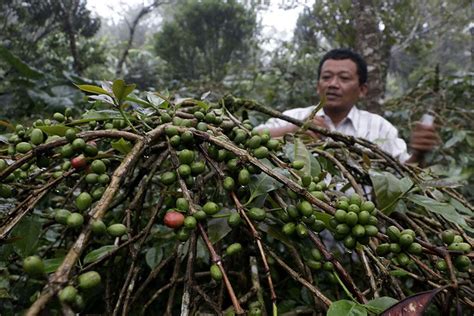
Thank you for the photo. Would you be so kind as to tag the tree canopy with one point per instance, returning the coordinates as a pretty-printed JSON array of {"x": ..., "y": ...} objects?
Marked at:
[{"x": 204, "y": 37}]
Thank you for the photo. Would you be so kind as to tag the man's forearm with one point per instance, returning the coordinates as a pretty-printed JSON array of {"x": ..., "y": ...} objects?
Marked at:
[{"x": 280, "y": 131}]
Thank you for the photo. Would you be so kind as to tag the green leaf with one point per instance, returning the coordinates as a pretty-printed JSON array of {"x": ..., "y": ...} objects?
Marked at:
[
  {"x": 19, "y": 65},
  {"x": 202, "y": 105},
  {"x": 388, "y": 189},
  {"x": 99, "y": 253},
  {"x": 99, "y": 115},
  {"x": 461, "y": 208},
  {"x": 154, "y": 256},
  {"x": 444, "y": 209},
  {"x": 323, "y": 217},
  {"x": 51, "y": 265},
  {"x": 157, "y": 101},
  {"x": 92, "y": 89},
  {"x": 458, "y": 136},
  {"x": 275, "y": 232},
  {"x": 121, "y": 90},
  {"x": 202, "y": 253},
  {"x": 398, "y": 273},
  {"x": 122, "y": 145},
  {"x": 381, "y": 303},
  {"x": 262, "y": 184},
  {"x": 58, "y": 129},
  {"x": 298, "y": 151},
  {"x": 217, "y": 228},
  {"x": 346, "y": 308},
  {"x": 26, "y": 235}
]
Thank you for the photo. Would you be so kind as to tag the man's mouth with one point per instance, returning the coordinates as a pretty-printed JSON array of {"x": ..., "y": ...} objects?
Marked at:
[{"x": 332, "y": 96}]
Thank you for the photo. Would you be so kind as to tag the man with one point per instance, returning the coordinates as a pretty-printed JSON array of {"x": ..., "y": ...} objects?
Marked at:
[{"x": 342, "y": 78}]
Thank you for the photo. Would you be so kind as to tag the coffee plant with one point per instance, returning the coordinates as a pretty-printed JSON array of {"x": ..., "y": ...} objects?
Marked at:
[{"x": 147, "y": 206}]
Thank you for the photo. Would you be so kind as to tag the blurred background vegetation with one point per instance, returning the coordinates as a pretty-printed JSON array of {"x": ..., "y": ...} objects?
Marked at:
[{"x": 420, "y": 54}]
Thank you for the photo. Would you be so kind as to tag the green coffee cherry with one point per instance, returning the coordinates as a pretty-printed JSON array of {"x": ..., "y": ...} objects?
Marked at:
[
  {"x": 211, "y": 208},
  {"x": 216, "y": 273},
  {"x": 68, "y": 294},
  {"x": 117, "y": 230},
  {"x": 89, "y": 280},
  {"x": 234, "y": 220},
  {"x": 75, "y": 220},
  {"x": 233, "y": 249},
  {"x": 298, "y": 164},
  {"x": 257, "y": 214}
]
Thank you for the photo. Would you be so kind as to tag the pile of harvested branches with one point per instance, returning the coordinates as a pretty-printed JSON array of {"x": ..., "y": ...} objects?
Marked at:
[{"x": 152, "y": 207}]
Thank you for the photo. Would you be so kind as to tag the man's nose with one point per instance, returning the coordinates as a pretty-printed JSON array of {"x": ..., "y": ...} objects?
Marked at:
[{"x": 333, "y": 83}]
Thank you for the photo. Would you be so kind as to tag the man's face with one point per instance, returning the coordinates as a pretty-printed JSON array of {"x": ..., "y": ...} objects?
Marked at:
[{"x": 340, "y": 83}]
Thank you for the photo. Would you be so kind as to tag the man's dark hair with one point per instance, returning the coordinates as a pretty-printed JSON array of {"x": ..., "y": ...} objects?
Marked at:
[{"x": 344, "y": 53}]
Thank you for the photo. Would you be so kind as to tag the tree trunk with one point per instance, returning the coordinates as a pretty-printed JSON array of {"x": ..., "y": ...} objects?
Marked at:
[
  {"x": 132, "y": 28},
  {"x": 68, "y": 15},
  {"x": 369, "y": 43}
]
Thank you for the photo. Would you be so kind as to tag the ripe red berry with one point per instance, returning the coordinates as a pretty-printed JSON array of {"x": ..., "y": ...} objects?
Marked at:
[
  {"x": 174, "y": 219},
  {"x": 78, "y": 162}
]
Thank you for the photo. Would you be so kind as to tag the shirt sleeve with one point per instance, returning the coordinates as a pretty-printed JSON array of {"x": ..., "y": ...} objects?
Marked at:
[
  {"x": 297, "y": 113},
  {"x": 393, "y": 144}
]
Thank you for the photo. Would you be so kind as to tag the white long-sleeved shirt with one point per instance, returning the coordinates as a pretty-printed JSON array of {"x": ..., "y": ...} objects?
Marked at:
[{"x": 358, "y": 123}]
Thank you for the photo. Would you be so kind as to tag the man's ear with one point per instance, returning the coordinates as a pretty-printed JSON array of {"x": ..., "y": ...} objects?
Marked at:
[{"x": 363, "y": 90}]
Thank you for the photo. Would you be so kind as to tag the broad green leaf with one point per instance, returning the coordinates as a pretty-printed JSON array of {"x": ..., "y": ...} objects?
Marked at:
[
  {"x": 388, "y": 189},
  {"x": 26, "y": 235},
  {"x": 51, "y": 265},
  {"x": 104, "y": 99},
  {"x": 275, "y": 232},
  {"x": 138, "y": 101},
  {"x": 346, "y": 308},
  {"x": 382, "y": 303},
  {"x": 58, "y": 129},
  {"x": 121, "y": 90},
  {"x": 100, "y": 115},
  {"x": 156, "y": 101},
  {"x": 92, "y": 89},
  {"x": 458, "y": 136},
  {"x": 202, "y": 253},
  {"x": 444, "y": 209},
  {"x": 461, "y": 208},
  {"x": 122, "y": 145},
  {"x": 328, "y": 166},
  {"x": 298, "y": 151},
  {"x": 217, "y": 228},
  {"x": 99, "y": 253},
  {"x": 262, "y": 184},
  {"x": 19, "y": 65},
  {"x": 154, "y": 256}
]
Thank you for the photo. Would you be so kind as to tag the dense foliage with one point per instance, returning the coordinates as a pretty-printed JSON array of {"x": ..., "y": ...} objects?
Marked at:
[
  {"x": 277, "y": 235},
  {"x": 146, "y": 206}
]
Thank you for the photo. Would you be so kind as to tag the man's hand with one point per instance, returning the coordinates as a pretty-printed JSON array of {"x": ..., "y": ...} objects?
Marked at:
[
  {"x": 319, "y": 122},
  {"x": 424, "y": 138}
]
